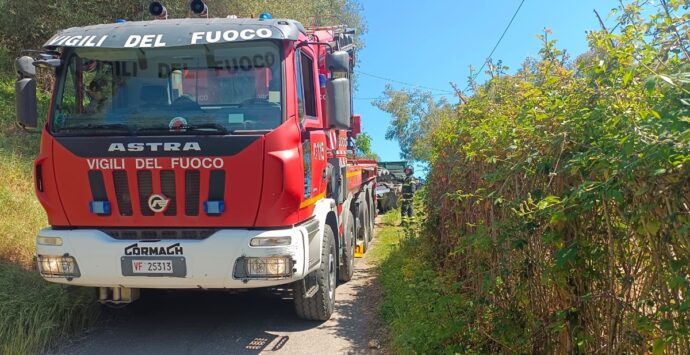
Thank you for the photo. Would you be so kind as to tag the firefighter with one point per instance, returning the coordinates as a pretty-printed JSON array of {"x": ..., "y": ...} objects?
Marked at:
[
  {"x": 100, "y": 101},
  {"x": 408, "y": 189}
]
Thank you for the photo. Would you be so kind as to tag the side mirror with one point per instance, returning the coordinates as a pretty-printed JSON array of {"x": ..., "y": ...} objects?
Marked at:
[
  {"x": 25, "y": 100},
  {"x": 338, "y": 102},
  {"x": 25, "y": 91},
  {"x": 25, "y": 66},
  {"x": 338, "y": 61}
]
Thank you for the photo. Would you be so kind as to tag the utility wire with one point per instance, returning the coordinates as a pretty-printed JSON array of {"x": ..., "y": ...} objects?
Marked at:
[
  {"x": 384, "y": 98},
  {"x": 441, "y": 90},
  {"x": 497, "y": 43},
  {"x": 403, "y": 83}
]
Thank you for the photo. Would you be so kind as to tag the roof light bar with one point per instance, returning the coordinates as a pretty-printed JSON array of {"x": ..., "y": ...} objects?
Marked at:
[
  {"x": 199, "y": 8},
  {"x": 158, "y": 11}
]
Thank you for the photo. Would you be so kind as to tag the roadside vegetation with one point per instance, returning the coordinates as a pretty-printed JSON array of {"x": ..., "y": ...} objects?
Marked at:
[
  {"x": 21, "y": 210},
  {"x": 34, "y": 313},
  {"x": 388, "y": 235},
  {"x": 556, "y": 215},
  {"x": 416, "y": 308}
]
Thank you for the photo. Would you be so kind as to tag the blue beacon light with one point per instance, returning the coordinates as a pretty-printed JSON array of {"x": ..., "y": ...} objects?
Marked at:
[{"x": 265, "y": 16}]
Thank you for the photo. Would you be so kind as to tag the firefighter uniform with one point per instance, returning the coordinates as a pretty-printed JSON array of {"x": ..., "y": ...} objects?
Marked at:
[{"x": 408, "y": 189}]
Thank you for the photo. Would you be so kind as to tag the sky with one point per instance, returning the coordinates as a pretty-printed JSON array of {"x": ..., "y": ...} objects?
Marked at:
[{"x": 430, "y": 43}]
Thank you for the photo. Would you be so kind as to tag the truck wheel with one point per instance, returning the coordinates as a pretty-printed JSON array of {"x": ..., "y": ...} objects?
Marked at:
[
  {"x": 372, "y": 216},
  {"x": 363, "y": 225},
  {"x": 320, "y": 306},
  {"x": 348, "y": 267}
]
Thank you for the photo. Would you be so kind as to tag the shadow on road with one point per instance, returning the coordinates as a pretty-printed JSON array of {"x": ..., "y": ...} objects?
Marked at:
[
  {"x": 193, "y": 322},
  {"x": 205, "y": 322},
  {"x": 357, "y": 319}
]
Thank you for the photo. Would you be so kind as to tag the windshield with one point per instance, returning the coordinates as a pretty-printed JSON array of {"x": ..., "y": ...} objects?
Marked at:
[{"x": 198, "y": 89}]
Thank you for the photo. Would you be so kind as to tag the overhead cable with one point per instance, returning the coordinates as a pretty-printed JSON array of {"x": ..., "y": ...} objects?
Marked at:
[
  {"x": 497, "y": 43},
  {"x": 403, "y": 83}
]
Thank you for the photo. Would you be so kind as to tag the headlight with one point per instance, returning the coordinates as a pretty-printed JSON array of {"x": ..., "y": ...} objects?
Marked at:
[
  {"x": 270, "y": 241},
  {"x": 275, "y": 266},
  {"x": 58, "y": 266}
]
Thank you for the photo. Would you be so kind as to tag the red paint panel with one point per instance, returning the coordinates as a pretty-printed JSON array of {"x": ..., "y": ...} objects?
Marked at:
[
  {"x": 243, "y": 171},
  {"x": 50, "y": 196},
  {"x": 283, "y": 178}
]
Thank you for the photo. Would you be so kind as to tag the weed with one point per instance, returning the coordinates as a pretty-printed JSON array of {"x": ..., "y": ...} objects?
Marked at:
[{"x": 34, "y": 313}]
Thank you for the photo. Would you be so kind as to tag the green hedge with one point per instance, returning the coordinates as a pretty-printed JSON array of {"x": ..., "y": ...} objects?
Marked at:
[{"x": 559, "y": 197}]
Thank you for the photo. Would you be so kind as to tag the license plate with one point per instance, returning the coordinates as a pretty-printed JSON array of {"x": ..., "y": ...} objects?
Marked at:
[
  {"x": 157, "y": 266},
  {"x": 152, "y": 266}
]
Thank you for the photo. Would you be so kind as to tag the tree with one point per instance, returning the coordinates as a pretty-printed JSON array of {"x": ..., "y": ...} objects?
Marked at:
[
  {"x": 415, "y": 115},
  {"x": 363, "y": 145}
]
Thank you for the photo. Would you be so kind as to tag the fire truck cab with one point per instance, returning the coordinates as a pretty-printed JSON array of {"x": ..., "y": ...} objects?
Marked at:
[{"x": 200, "y": 153}]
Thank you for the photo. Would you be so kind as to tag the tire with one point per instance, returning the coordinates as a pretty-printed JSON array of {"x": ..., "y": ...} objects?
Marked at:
[
  {"x": 363, "y": 225},
  {"x": 372, "y": 216},
  {"x": 320, "y": 306},
  {"x": 347, "y": 269}
]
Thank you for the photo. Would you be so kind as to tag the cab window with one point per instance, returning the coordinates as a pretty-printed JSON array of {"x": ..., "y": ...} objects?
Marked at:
[{"x": 306, "y": 91}]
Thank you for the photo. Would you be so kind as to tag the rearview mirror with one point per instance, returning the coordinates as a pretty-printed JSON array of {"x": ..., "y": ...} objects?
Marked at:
[
  {"x": 25, "y": 100},
  {"x": 338, "y": 61},
  {"x": 338, "y": 102}
]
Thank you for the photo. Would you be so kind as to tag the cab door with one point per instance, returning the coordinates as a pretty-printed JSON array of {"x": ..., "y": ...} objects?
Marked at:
[{"x": 314, "y": 142}]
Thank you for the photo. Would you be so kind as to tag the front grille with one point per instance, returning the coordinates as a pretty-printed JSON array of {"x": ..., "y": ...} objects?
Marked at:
[
  {"x": 168, "y": 189},
  {"x": 97, "y": 185},
  {"x": 145, "y": 183},
  {"x": 192, "y": 181},
  {"x": 135, "y": 190},
  {"x": 124, "y": 200},
  {"x": 158, "y": 234}
]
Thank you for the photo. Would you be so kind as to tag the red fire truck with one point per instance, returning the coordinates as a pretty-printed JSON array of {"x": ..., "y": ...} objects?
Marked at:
[{"x": 200, "y": 153}]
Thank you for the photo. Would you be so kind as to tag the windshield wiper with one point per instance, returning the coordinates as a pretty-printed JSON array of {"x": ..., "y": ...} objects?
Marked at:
[
  {"x": 250, "y": 131},
  {"x": 207, "y": 128},
  {"x": 111, "y": 128}
]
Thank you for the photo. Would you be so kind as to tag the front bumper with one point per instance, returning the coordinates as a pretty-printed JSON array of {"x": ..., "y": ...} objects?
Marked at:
[{"x": 210, "y": 263}]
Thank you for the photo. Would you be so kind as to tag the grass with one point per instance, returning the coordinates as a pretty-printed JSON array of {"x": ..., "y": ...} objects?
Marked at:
[
  {"x": 387, "y": 237},
  {"x": 421, "y": 313},
  {"x": 23, "y": 215},
  {"x": 33, "y": 313}
]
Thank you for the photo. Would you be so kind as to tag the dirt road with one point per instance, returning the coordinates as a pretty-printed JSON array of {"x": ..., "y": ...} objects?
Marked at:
[{"x": 247, "y": 323}]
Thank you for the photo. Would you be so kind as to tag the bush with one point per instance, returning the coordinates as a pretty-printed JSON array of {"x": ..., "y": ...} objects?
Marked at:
[{"x": 559, "y": 199}]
